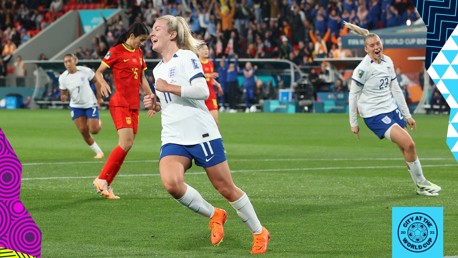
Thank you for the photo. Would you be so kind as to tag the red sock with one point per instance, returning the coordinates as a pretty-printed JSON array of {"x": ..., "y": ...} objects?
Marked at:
[{"x": 113, "y": 164}]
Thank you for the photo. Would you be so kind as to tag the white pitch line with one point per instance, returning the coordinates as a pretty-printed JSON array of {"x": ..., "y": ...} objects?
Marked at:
[
  {"x": 232, "y": 160},
  {"x": 240, "y": 171}
]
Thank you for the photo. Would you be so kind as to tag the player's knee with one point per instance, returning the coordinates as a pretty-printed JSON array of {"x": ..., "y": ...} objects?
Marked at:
[
  {"x": 126, "y": 145},
  {"x": 227, "y": 191},
  {"x": 173, "y": 188},
  {"x": 94, "y": 130},
  {"x": 84, "y": 131},
  {"x": 409, "y": 147}
]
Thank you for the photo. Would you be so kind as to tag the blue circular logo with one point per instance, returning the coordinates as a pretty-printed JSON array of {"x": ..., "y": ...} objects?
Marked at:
[{"x": 417, "y": 232}]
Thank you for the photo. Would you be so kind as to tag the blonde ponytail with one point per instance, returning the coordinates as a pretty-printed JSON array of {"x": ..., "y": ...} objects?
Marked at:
[{"x": 356, "y": 29}]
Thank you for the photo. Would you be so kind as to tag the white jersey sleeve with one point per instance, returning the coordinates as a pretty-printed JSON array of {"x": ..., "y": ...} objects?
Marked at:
[
  {"x": 185, "y": 121},
  {"x": 77, "y": 85},
  {"x": 375, "y": 80}
]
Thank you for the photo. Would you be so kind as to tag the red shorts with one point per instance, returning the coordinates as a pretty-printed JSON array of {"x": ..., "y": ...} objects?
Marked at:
[
  {"x": 211, "y": 103},
  {"x": 124, "y": 118}
]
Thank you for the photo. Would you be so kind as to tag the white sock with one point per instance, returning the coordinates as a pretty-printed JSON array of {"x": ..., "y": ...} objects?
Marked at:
[
  {"x": 246, "y": 212},
  {"x": 194, "y": 201},
  {"x": 415, "y": 171},
  {"x": 95, "y": 148}
]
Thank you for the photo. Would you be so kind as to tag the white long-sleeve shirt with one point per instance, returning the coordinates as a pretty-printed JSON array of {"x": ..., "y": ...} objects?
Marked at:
[
  {"x": 185, "y": 119},
  {"x": 374, "y": 90}
]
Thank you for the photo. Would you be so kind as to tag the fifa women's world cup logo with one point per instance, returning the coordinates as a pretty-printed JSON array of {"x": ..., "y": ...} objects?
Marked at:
[{"x": 417, "y": 232}]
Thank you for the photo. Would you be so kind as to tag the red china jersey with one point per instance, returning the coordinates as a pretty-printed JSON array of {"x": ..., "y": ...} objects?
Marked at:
[
  {"x": 208, "y": 68},
  {"x": 127, "y": 66}
]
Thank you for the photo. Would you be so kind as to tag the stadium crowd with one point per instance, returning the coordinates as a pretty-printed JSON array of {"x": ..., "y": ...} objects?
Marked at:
[
  {"x": 287, "y": 29},
  {"x": 297, "y": 30}
]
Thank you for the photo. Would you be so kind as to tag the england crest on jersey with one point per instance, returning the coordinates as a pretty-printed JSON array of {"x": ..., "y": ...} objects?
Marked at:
[{"x": 172, "y": 72}]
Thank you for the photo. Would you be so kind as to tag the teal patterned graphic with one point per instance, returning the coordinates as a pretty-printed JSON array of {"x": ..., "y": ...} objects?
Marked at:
[
  {"x": 440, "y": 19},
  {"x": 441, "y": 62},
  {"x": 444, "y": 73}
]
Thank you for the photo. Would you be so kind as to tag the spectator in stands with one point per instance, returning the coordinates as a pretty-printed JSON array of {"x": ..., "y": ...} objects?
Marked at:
[
  {"x": 297, "y": 54},
  {"x": 326, "y": 77},
  {"x": 319, "y": 43},
  {"x": 3, "y": 72},
  {"x": 340, "y": 87},
  {"x": 392, "y": 17},
  {"x": 438, "y": 102},
  {"x": 256, "y": 11},
  {"x": 275, "y": 9},
  {"x": 9, "y": 47},
  {"x": 126, "y": 61},
  {"x": 80, "y": 53},
  {"x": 150, "y": 13},
  {"x": 310, "y": 53},
  {"x": 403, "y": 82},
  {"x": 204, "y": 18},
  {"x": 334, "y": 22},
  {"x": 20, "y": 71},
  {"x": 232, "y": 84},
  {"x": 339, "y": 52},
  {"x": 319, "y": 22},
  {"x": 249, "y": 85},
  {"x": 226, "y": 14},
  {"x": 362, "y": 18},
  {"x": 24, "y": 35},
  {"x": 15, "y": 36},
  {"x": 84, "y": 105},
  {"x": 8, "y": 9},
  {"x": 297, "y": 26},
  {"x": 251, "y": 51},
  {"x": 26, "y": 103},
  {"x": 374, "y": 12},
  {"x": 222, "y": 79},
  {"x": 88, "y": 54},
  {"x": 212, "y": 31},
  {"x": 345, "y": 16},
  {"x": 193, "y": 18},
  {"x": 232, "y": 44},
  {"x": 286, "y": 29},
  {"x": 349, "y": 5},
  {"x": 42, "y": 56},
  {"x": 285, "y": 48},
  {"x": 37, "y": 18},
  {"x": 410, "y": 15},
  {"x": 383, "y": 107},
  {"x": 56, "y": 6}
]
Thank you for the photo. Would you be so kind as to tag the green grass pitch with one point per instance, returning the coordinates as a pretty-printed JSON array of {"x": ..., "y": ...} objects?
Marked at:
[{"x": 320, "y": 192}]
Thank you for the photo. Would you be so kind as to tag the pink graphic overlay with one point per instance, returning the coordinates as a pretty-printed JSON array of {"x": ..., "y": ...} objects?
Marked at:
[{"x": 18, "y": 231}]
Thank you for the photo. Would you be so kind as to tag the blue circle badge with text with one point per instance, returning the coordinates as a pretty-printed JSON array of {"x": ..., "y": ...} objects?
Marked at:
[{"x": 417, "y": 232}]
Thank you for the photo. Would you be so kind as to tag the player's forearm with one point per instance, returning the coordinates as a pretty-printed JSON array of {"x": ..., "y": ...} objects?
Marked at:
[
  {"x": 146, "y": 88},
  {"x": 63, "y": 96},
  {"x": 352, "y": 103},
  {"x": 197, "y": 90},
  {"x": 98, "y": 87}
]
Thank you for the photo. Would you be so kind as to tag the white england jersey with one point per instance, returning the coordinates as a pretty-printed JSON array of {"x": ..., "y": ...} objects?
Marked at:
[
  {"x": 77, "y": 84},
  {"x": 375, "y": 79},
  {"x": 184, "y": 121}
]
